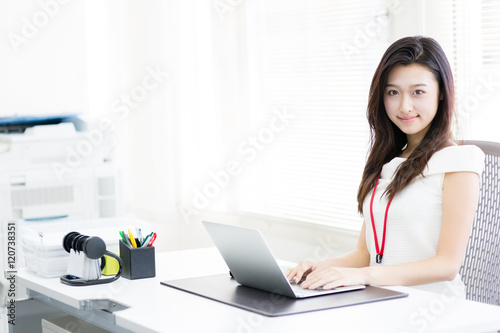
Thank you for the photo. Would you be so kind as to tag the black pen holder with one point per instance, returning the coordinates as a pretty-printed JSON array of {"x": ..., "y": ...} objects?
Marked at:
[{"x": 138, "y": 263}]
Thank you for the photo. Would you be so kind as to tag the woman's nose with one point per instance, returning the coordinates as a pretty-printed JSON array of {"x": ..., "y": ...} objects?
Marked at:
[{"x": 406, "y": 105}]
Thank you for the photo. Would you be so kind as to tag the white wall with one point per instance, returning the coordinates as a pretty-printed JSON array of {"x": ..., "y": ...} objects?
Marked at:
[{"x": 42, "y": 57}]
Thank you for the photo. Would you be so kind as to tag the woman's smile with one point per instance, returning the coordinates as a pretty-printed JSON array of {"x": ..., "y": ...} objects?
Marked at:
[{"x": 407, "y": 120}]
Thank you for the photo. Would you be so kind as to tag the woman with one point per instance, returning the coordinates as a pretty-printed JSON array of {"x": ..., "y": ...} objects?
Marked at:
[{"x": 419, "y": 190}]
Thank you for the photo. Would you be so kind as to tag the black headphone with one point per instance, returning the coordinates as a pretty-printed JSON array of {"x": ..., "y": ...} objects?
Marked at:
[{"x": 94, "y": 248}]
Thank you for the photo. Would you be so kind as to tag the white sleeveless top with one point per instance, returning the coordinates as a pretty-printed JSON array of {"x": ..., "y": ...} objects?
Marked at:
[{"x": 414, "y": 218}]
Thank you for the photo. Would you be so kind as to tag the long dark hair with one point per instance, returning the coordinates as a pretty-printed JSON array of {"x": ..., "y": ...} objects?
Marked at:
[{"x": 386, "y": 139}]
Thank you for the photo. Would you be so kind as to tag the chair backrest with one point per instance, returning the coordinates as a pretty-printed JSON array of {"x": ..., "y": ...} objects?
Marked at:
[{"x": 481, "y": 268}]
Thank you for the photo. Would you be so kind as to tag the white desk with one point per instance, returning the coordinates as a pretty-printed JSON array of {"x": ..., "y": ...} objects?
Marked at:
[{"x": 156, "y": 308}]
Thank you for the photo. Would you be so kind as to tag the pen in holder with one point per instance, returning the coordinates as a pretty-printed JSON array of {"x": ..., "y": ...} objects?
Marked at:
[
  {"x": 138, "y": 263},
  {"x": 84, "y": 268}
]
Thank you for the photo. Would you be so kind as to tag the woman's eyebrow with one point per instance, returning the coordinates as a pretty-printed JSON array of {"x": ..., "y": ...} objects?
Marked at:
[{"x": 413, "y": 85}]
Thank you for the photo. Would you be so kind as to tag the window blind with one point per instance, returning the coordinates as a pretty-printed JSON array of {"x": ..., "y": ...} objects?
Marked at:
[
  {"x": 486, "y": 125},
  {"x": 469, "y": 31},
  {"x": 313, "y": 60},
  {"x": 490, "y": 32}
]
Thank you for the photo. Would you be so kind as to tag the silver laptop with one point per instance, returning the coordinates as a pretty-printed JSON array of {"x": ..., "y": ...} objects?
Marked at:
[{"x": 252, "y": 263}]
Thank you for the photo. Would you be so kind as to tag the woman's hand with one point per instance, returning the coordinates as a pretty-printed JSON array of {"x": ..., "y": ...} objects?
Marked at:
[
  {"x": 300, "y": 272},
  {"x": 349, "y": 269},
  {"x": 304, "y": 268},
  {"x": 333, "y": 277}
]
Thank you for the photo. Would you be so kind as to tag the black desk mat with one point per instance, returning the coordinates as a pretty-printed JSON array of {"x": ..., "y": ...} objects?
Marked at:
[{"x": 224, "y": 289}]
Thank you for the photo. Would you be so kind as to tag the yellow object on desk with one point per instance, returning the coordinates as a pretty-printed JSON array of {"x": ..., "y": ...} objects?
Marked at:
[{"x": 111, "y": 266}]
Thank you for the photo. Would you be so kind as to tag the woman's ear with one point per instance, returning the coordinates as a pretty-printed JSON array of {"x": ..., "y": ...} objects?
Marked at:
[{"x": 441, "y": 96}]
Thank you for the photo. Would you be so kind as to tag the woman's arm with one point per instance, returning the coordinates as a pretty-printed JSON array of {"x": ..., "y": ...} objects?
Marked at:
[
  {"x": 359, "y": 257},
  {"x": 460, "y": 197}
]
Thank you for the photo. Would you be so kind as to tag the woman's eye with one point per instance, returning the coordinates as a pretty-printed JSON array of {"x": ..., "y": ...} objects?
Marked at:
[
  {"x": 392, "y": 92},
  {"x": 418, "y": 92}
]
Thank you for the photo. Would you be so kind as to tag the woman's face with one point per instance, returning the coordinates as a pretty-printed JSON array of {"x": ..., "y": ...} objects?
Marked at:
[{"x": 411, "y": 99}]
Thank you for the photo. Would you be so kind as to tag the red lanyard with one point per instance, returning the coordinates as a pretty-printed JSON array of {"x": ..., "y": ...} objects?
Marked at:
[{"x": 380, "y": 252}]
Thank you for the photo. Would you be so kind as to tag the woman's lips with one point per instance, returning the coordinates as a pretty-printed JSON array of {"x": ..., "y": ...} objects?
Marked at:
[{"x": 407, "y": 119}]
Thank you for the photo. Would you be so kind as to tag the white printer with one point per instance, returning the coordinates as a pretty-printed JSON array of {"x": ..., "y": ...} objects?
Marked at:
[
  {"x": 54, "y": 175},
  {"x": 54, "y": 171}
]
